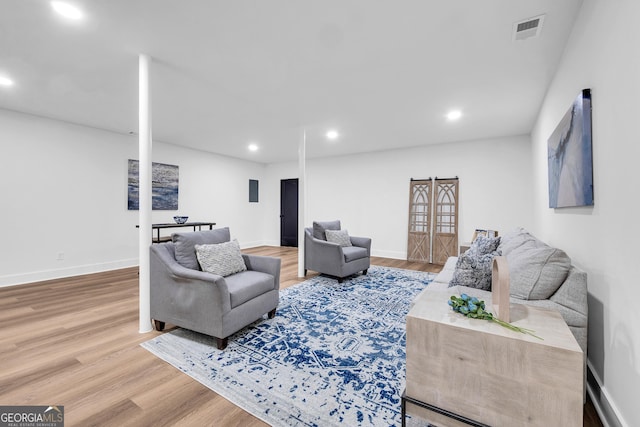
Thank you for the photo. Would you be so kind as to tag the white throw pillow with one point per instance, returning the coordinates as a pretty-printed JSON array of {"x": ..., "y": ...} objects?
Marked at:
[
  {"x": 340, "y": 237},
  {"x": 222, "y": 259}
]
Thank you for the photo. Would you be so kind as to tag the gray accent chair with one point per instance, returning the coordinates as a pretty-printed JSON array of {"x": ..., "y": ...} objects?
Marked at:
[
  {"x": 185, "y": 296},
  {"x": 331, "y": 258}
]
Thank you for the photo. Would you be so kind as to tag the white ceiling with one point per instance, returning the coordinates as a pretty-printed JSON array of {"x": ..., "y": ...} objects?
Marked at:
[{"x": 225, "y": 73}]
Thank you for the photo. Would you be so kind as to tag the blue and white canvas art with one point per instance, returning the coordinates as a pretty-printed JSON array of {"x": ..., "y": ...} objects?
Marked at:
[
  {"x": 570, "y": 157},
  {"x": 164, "y": 186}
]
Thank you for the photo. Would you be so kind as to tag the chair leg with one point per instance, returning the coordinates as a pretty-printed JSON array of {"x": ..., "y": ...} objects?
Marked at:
[
  {"x": 222, "y": 343},
  {"x": 365, "y": 271},
  {"x": 305, "y": 271},
  {"x": 158, "y": 325},
  {"x": 272, "y": 314}
]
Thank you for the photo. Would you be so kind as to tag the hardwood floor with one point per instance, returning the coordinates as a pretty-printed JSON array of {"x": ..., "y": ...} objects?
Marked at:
[{"x": 75, "y": 342}]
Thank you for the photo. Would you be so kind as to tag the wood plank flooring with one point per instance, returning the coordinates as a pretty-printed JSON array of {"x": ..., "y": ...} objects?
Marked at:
[{"x": 75, "y": 342}]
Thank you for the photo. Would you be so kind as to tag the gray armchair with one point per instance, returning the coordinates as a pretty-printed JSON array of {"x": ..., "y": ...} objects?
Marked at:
[
  {"x": 331, "y": 258},
  {"x": 185, "y": 296}
]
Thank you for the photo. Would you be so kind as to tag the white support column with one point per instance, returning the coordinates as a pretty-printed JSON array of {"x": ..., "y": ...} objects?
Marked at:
[
  {"x": 145, "y": 150},
  {"x": 302, "y": 198}
]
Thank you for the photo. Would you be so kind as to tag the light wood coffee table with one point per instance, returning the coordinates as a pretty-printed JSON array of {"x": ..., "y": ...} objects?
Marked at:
[{"x": 484, "y": 372}]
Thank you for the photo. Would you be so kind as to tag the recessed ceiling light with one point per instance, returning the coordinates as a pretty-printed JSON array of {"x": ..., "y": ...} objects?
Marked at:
[
  {"x": 67, "y": 10},
  {"x": 5, "y": 81},
  {"x": 253, "y": 147},
  {"x": 454, "y": 115},
  {"x": 332, "y": 135}
]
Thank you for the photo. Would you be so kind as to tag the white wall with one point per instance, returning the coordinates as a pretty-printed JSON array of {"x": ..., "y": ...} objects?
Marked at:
[
  {"x": 369, "y": 192},
  {"x": 216, "y": 188},
  {"x": 271, "y": 190},
  {"x": 602, "y": 54},
  {"x": 64, "y": 190}
]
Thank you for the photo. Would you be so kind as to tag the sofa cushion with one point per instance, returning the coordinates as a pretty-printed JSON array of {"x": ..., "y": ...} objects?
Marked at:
[
  {"x": 184, "y": 244},
  {"x": 222, "y": 259},
  {"x": 340, "y": 237},
  {"x": 319, "y": 228},
  {"x": 474, "y": 267},
  {"x": 247, "y": 285},
  {"x": 517, "y": 238},
  {"x": 536, "y": 272},
  {"x": 352, "y": 253},
  {"x": 474, "y": 271},
  {"x": 446, "y": 274},
  {"x": 483, "y": 245}
]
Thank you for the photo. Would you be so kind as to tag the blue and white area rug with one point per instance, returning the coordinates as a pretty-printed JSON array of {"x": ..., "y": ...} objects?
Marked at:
[{"x": 333, "y": 355}]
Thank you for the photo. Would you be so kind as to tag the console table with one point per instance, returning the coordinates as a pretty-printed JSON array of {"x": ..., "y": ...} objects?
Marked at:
[
  {"x": 197, "y": 226},
  {"x": 485, "y": 374}
]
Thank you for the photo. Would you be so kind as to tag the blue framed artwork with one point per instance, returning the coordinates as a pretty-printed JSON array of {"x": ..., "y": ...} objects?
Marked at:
[
  {"x": 164, "y": 186},
  {"x": 570, "y": 157}
]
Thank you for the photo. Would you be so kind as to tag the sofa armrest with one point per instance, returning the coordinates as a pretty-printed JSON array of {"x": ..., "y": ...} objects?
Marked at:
[
  {"x": 169, "y": 279},
  {"x": 327, "y": 250},
  {"x": 264, "y": 264},
  {"x": 362, "y": 242},
  {"x": 573, "y": 295},
  {"x": 322, "y": 256}
]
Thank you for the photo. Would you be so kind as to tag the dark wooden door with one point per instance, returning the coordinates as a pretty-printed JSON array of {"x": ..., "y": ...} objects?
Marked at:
[{"x": 289, "y": 212}]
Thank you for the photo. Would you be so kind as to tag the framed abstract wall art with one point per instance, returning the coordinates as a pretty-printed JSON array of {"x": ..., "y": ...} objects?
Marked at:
[
  {"x": 164, "y": 186},
  {"x": 570, "y": 157}
]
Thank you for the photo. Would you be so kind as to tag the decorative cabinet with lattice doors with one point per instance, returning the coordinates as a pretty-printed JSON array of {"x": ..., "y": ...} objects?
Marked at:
[{"x": 433, "y": 233}]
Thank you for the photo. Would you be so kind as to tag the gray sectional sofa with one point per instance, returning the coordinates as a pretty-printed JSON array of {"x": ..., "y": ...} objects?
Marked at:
[{"x": 540, "y": 276}]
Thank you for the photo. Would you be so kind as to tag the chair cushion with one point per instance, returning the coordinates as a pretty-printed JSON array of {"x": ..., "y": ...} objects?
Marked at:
[
  {"x": 319, "y": 228},
  {"x": 222, "y": 259},
  {"x": 185, "y": 243},
  {"x": 247, "y": 285},
  {"x": 352, "y": 253},
  {"x": 340, "y": 237}
]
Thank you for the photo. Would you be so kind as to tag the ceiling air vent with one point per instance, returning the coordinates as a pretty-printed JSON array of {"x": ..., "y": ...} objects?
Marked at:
[{"x": 528, "y": 28}]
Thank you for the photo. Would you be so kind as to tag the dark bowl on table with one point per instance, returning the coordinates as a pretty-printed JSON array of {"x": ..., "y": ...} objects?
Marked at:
[{"x": 180, "y": 219}]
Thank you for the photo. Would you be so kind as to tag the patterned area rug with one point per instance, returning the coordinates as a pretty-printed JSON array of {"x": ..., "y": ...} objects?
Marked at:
[{"x": 333, "y": 355}]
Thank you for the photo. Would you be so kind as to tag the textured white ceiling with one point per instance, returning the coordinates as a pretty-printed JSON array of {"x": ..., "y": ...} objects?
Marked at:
[{"x": 383, "y": 73}]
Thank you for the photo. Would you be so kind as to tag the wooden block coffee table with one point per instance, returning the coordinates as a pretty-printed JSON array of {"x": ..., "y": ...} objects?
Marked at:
[{"x": 487, "y": 373}]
